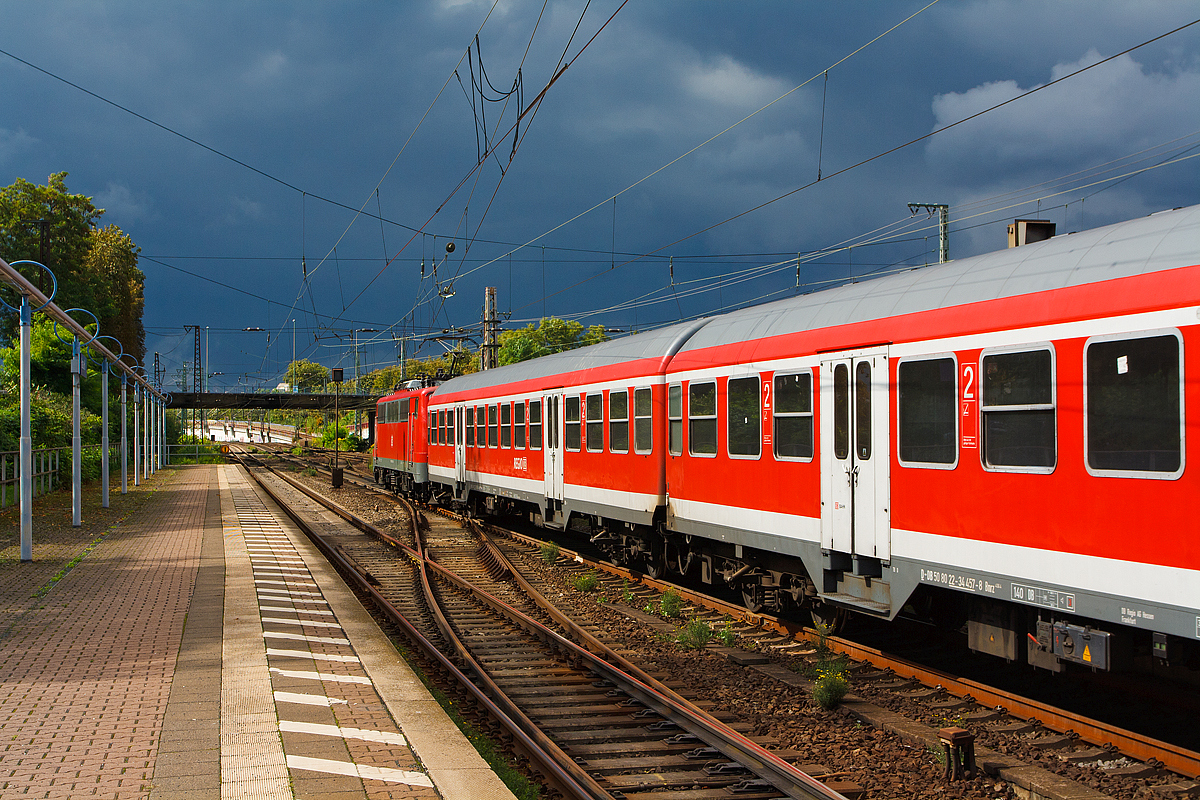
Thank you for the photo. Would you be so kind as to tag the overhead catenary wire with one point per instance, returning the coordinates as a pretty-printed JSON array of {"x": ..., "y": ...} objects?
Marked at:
[{"x": 871, "y": 159}]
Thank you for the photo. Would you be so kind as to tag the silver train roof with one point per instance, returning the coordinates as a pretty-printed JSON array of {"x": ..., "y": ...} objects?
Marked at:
[
  {"x": 657, "y": 344},
  {"x": 1160, "y": 241}
]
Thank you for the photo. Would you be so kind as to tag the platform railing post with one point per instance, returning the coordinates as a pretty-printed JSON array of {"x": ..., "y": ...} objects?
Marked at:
[
  {"x": 147, "y": 401},
  {"x": 137, "y": 439},
  {"x": 152, "y": 435},
  {"x": 76, "y": 449},
  {"x": 26, "y": 467},
  {"x": 124, "y": 437},
  {"x": 104, "y": 436}
]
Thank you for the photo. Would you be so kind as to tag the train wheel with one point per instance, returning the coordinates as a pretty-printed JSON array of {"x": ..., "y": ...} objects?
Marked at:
[
  {"x": 829, "y": 619},
  {"x": 752, "y": 596},
  {"x": 655, "y": 564}
]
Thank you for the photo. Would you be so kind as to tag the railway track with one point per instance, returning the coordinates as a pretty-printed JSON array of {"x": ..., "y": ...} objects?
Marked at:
[
  {"x": 592, "y": 724},
  {"x": 1002, "y": 719}
]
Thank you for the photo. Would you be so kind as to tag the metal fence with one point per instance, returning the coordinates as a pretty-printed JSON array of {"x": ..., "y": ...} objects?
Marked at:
[{"x": 48, "y": 467}]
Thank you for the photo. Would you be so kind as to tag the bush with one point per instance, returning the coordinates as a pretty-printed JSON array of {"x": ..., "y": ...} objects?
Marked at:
[
  {"x": 694, "y": 634},
  {"x": 671, "y": 603},
  {"x": 830, "y": 686},
  {"x": 585, "y": 582}
]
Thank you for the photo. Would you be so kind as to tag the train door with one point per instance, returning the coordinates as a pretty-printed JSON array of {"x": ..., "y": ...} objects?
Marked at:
[
  {"x": 855, "y": 457},
  {"x": 553, "y": 452},
  {"x": 410, "y": 432},
  {"x": 460, "y": 449}
]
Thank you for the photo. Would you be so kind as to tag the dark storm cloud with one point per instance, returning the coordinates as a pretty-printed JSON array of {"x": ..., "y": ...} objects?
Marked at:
[{"x": 323, "y": 97}]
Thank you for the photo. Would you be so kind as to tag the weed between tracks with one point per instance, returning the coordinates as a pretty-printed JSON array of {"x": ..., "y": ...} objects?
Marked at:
[{"x": 828, "y": 673}]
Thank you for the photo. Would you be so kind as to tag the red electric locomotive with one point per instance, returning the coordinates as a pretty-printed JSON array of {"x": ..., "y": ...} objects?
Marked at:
[
  {"x": 401, "y": 447},
  {"x": 1001, "y": 439}
]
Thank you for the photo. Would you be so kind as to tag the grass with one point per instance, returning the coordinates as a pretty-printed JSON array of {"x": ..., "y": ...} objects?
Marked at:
[
  {"x": 830, "y": 686},
  {"x": 70, "y": 565},
  {"x": 550, "y": 551},
  {"x": 585, "y": 582},
  {"x": 671, "y": 604},
  {"x": 694, "y": 634},
  {"x": 484, "y": 744},
  {"x": 828, "y": 674}
]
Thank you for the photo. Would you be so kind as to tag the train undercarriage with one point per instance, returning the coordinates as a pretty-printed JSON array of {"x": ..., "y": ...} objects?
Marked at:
[{"x": 779, "y": 584}]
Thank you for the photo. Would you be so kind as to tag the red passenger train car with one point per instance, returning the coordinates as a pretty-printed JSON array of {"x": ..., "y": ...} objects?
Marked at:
[{"x": 1001, "y": 440}]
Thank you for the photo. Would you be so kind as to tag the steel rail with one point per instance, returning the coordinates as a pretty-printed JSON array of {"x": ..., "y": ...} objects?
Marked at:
[
  {"x": 1144, "y": 748},
  {"x": 559, "y": 770},
  {"x": 731, "y": 743},
  {"x": 644, "y": 688},
  {"x": 1177, "y": 759}
]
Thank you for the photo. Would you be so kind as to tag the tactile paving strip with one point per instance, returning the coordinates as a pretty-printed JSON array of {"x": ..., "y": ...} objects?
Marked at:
[{"x": 330, "y": 730}]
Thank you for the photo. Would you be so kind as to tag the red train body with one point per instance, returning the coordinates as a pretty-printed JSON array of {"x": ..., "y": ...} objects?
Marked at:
[{"x": 1003, "y": 439}]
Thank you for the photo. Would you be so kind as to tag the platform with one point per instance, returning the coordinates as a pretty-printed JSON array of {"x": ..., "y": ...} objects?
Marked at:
[{"x": 201, "y": 648}]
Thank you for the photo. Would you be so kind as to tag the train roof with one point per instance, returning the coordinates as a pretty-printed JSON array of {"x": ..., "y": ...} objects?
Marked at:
[
  {"x": 657, "y": 345},
  {"x": 1160, "y": 241}
]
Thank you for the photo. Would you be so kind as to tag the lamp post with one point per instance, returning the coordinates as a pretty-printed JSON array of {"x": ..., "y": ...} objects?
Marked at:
[
  {"x": 337, "y": 470},
  {"x": 357, "y": 386}
]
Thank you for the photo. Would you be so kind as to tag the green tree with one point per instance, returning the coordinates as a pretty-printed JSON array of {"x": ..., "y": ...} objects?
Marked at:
[
  {"x": 552, "y": 335},
  {"x": 96, "y": 267},
  {"x": 111, "y": 265},
  {"x": 307, "y": 376}
]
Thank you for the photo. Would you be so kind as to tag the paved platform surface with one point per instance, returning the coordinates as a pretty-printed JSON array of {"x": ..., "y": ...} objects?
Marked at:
[{"x": 190, "y": 643}]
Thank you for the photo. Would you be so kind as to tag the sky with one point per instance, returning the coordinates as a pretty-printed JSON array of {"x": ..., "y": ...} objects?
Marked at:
[{"x": 300, "y": 167}]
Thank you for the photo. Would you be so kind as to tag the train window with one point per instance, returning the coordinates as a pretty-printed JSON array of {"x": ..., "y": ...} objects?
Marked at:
[
  {"x": 862, "y": 410},
  {"x": 702, "y": 418},
  {"x": 481, "y": 426},
  {"x": 841, "y": 412},
  {"x": 1018, "y": 411},
  {"x": 506, "y": 424},
  {"x": 493, "y": 435},
  {"x": 928, "y": 412},
  {"x": 1133, "y": 406},
  {"x": 618, "y": 421},
  {"x": 793, "y": 417},
  {"x": 574, "y": 439},
  {"x": 535, "y": 424},
  {"x": 595, "y": 423},
  {"x": 450, "y": 427},
  {"x": 433, "y": 427},
  {"x": 675, "y": 419},
  {"x": 471, "y": 426},
  {"x": 442, "y": 426},
  {"x": 744, "y": 417},
  {"x": 402, "y": 411},
  {"x": 643, "y": 421},
  {"x": 519, "y": 424}
]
